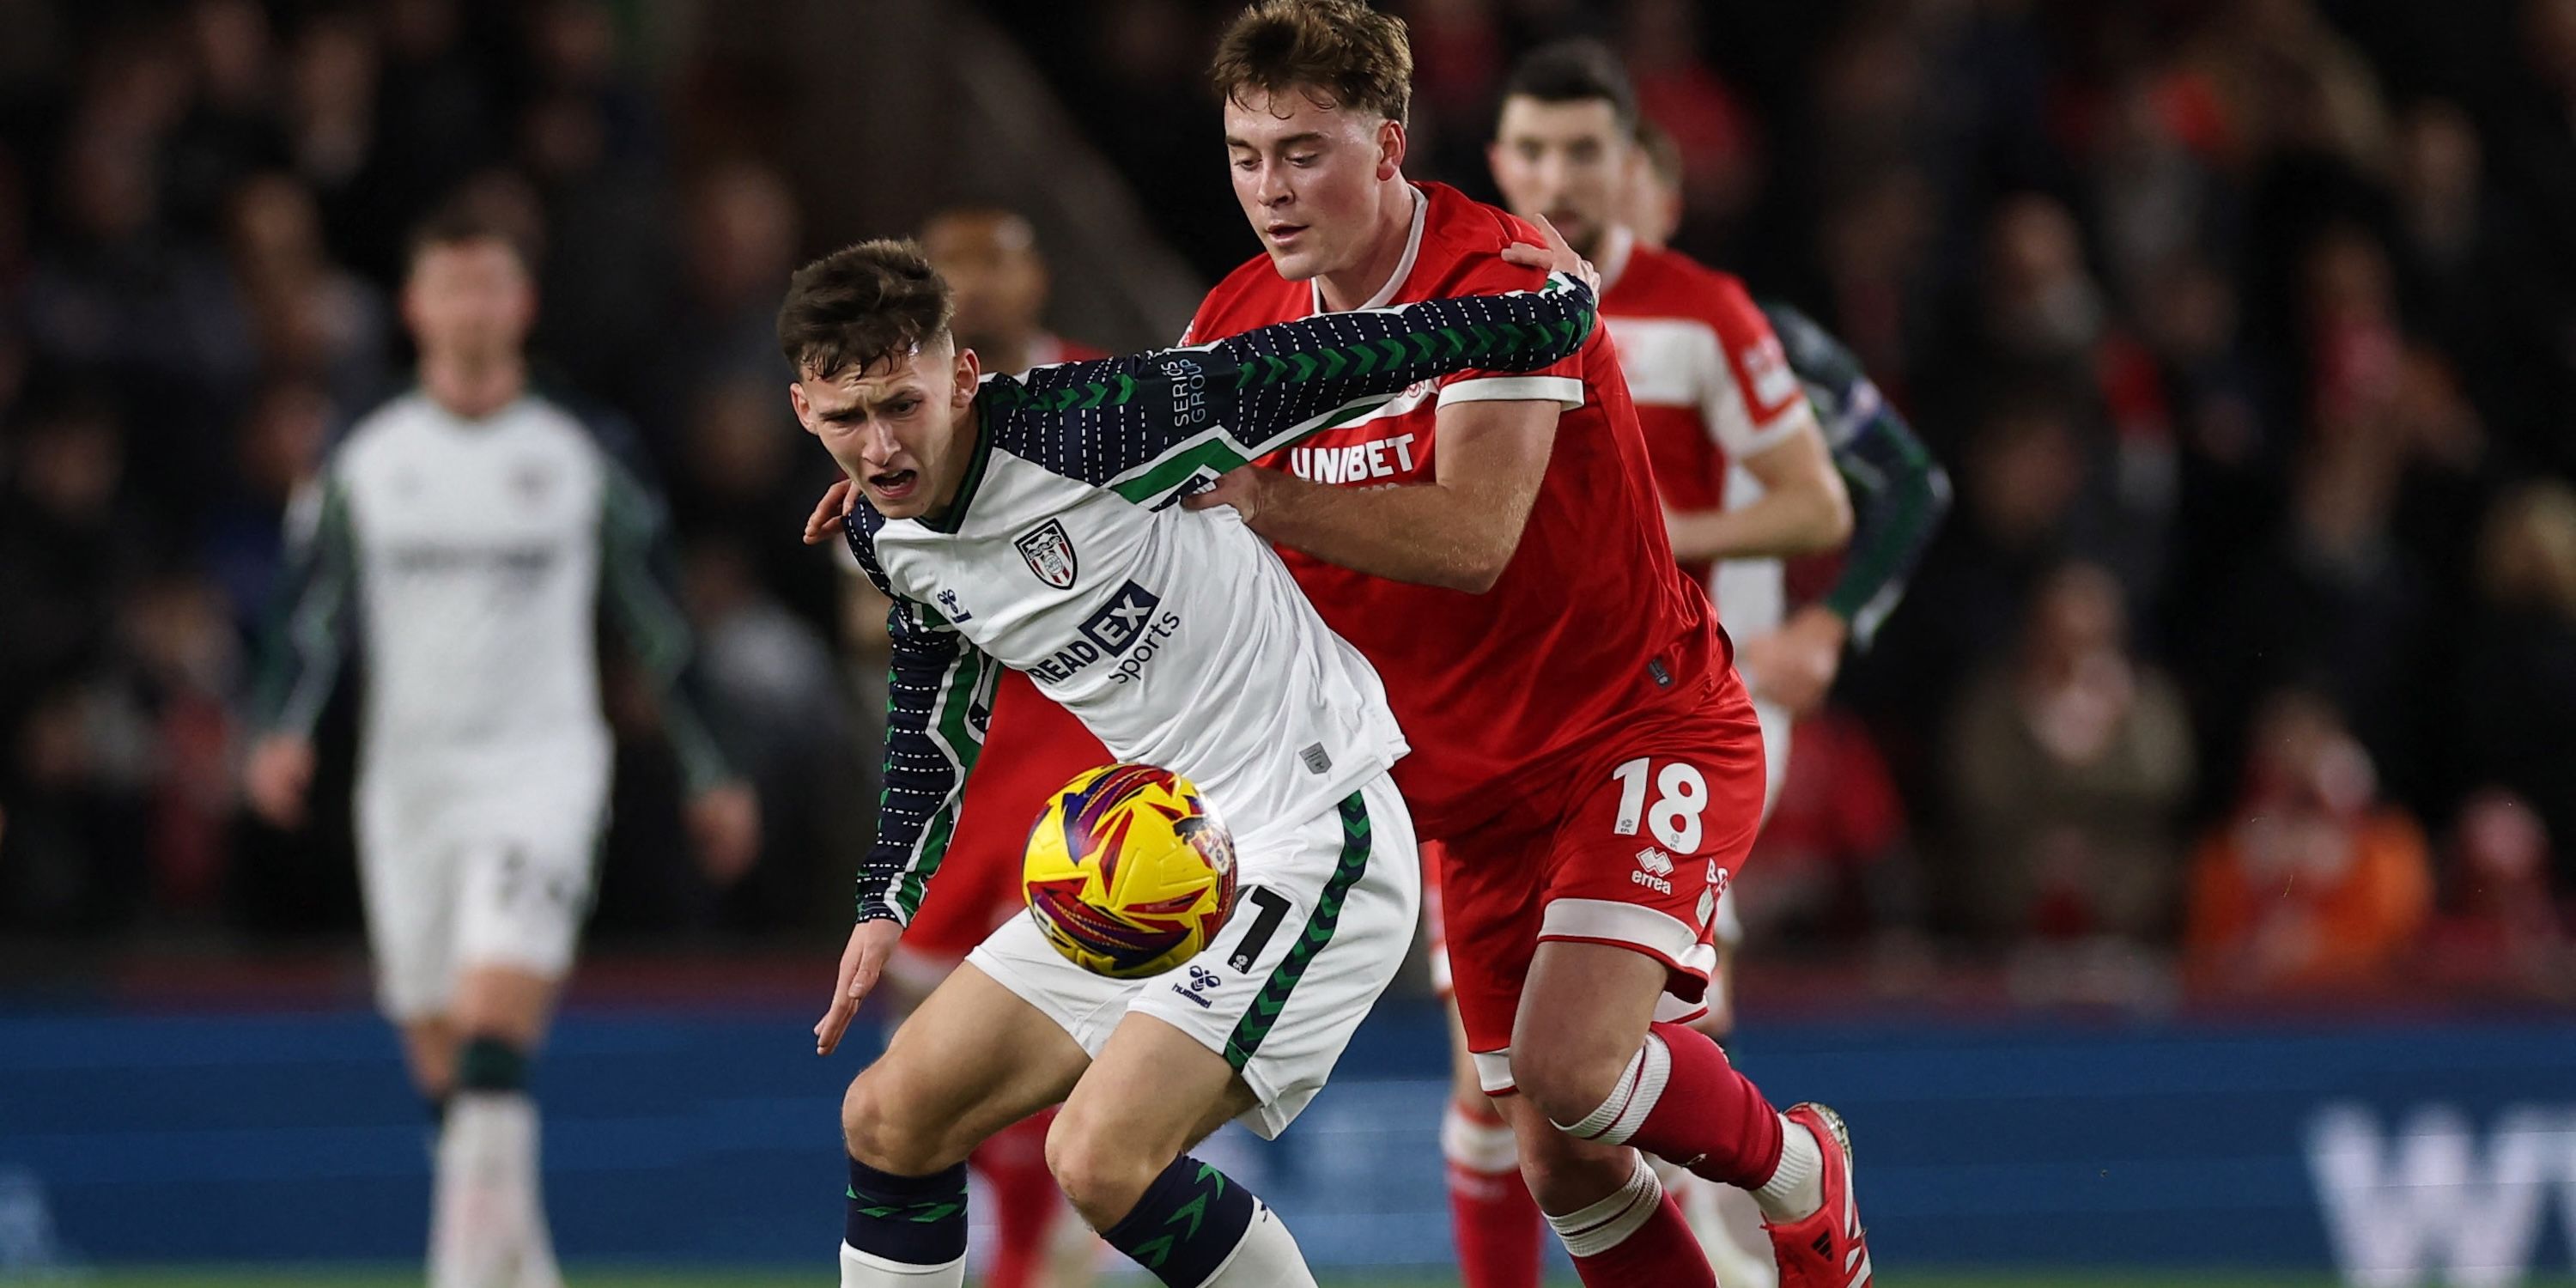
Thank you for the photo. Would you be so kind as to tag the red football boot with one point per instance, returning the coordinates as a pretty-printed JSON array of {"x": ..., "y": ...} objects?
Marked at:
[{"x": 1827, "y": 1248}]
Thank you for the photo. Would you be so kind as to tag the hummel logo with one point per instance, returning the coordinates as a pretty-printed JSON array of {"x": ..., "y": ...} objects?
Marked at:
[
  {"x": 956, "y": 611},
  {"x": 1201, "y": 980},
  {"x": 1654, "y": 870}
]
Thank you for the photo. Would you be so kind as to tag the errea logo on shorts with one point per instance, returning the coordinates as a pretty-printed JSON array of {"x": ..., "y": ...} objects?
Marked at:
[{"x": 1654, "y": 870}]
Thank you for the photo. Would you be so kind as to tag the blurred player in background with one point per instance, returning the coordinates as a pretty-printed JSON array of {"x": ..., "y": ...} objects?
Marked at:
[
  {"x": 473, "y": 528},
  {"x": 1583, "y": 750},
  {"x": 1030, "y": 525},
  {"x": 998, "y": 280},
  {"x": 1733, "y": 401}
]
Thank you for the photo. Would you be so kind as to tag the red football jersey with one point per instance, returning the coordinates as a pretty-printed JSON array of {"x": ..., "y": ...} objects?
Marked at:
[
  {"x": 1710, "y": 381},
  {"x": 1590, "y": 621}
]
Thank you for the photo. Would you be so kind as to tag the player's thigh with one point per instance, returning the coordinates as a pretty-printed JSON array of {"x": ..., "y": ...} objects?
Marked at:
[
  {"x": 974, "y": 1058},
  {"x": 1323, "y": 922},
  {"x": 1153, "y": 1092}
]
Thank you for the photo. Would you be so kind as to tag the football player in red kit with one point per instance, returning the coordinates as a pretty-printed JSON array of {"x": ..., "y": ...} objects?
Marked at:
[{"x": 1584, "y": 751}]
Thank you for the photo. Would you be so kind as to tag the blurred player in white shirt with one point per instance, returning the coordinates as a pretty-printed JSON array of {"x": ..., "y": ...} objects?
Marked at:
[{"x": 470, "y": 530}]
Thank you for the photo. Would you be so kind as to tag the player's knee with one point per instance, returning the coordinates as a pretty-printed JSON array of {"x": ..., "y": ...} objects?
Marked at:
[
  {"x": 1568, "y": 1175},
  {"x": 1102, "y": 1175},
  {"x": 1564, "y": 1081},
  {"x": 879, "y": 1129}
]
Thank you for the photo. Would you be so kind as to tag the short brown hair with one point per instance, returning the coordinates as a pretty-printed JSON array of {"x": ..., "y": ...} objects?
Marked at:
[
  {"x": 1575, "y": 71},
  {"x": 862, "y": 305},
  {"x": 1662, "y": 151},
  {"x": 1352, "y": 54},
  {"x": 463, "y": 222}
]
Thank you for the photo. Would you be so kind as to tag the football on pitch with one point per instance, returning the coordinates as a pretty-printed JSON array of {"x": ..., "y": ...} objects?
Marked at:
[{"x": 1129, "y": 871}]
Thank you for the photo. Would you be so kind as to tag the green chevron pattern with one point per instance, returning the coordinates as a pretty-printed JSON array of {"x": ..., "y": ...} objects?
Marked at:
[{"x": 1273, "y": 998}]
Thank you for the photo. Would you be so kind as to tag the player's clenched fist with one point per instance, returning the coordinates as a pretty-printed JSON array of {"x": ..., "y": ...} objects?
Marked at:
[{"x": 871, "y": 942}]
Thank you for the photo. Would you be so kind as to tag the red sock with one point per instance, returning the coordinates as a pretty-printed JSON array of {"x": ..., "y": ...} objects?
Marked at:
[
  {"x": 1014, "y": 1163},
  {"x": 1492, "y": 1218},
  {"x": 1681, "y": 1101},
  {"x": 1635, "y": 1237}
]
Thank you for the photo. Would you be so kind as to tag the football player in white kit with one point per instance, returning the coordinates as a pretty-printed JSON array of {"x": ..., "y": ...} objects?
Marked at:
[
  {"x": 474, "y": 528},
  {"x": 1028, "y": 523}
]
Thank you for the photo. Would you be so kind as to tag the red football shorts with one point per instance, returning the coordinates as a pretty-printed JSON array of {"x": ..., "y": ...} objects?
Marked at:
[{"x": 1631, "y": 846}]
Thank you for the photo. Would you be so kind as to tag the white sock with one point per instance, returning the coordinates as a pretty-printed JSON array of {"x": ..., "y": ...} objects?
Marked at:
[
  {"x": 861, "y": 1270},
  {"x": 1481, "y": 1148},
  {"x": 1267, "y": 1257},
  {"x": 1593, "y": 1230},
  {"x": 1728, "y": 1226},
  {"x": 537, "y": 1268},
  {"x": 1796, "y": 1190},
  {"x": 482, "y": 1196}
]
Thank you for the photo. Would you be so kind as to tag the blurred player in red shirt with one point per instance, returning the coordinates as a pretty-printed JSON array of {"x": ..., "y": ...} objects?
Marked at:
[
  {"x": 1583, "y": 749},
  {"x": 1033, "y": 746}
]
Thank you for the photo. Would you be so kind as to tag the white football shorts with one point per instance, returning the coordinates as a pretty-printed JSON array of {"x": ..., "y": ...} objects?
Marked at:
[
  {"x": 477, "y": 857},
  {"x": 1324, "y": 915}
]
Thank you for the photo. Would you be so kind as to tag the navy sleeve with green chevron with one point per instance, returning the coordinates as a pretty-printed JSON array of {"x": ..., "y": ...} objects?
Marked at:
[
  {"x": 309, "y": 624},
  {"x": 1899, "y": 493},
  {"x": 939, "y": 698},
  {"x": 638, "y": 583},
  {"x": 1149, "y": 425}
]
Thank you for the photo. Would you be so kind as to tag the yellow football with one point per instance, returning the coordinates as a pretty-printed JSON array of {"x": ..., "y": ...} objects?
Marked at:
[{"x": 1129, "y": 871}]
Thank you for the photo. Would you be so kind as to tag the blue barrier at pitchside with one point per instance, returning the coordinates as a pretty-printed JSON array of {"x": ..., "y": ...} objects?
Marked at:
[{"x": 2393, "y": 1150}]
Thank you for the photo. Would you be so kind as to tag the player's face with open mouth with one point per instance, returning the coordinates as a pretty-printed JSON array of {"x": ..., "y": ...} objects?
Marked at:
[
  {"x": 1305, "y": 173},
  {"x": 899, "y": 428},
  {"x": 1566, "y": 161}
]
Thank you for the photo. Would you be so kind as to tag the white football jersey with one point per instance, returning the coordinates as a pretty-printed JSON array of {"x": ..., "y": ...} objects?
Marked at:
[
  {"x": 476, "y": 554},
  {"x": 1177, "y": 636}
]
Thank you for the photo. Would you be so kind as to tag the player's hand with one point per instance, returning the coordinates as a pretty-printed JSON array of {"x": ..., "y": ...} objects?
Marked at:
[
  {"x": 828, "y": 512},
  {"x": 1796, "y": 664},
  {"x": 1245, "y": 487},
  {"x": 280, "y": 769},
  {"x": 724, "y": 821},
  {"x": 871, "y": 943},
  {"x": 1555, "y": 257}
]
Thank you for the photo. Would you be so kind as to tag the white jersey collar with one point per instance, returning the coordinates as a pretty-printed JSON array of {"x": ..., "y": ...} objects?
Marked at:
[
  {"x": 1403, "y": 267},
  {"x": 1614, "y": 257}
]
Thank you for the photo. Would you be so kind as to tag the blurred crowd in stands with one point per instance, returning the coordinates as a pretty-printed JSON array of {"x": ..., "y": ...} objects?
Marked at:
[{"x": 2247, "y": 663}]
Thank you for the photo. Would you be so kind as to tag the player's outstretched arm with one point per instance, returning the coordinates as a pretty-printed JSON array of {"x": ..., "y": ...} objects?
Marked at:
[
  {"x": 639, "y": 583},
  {"x": 939, "y": 695},
  {"x": 300, "y": 656},
  {"x": 1899, "y": 492},
  {"x": 1151, "y": 425}
]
